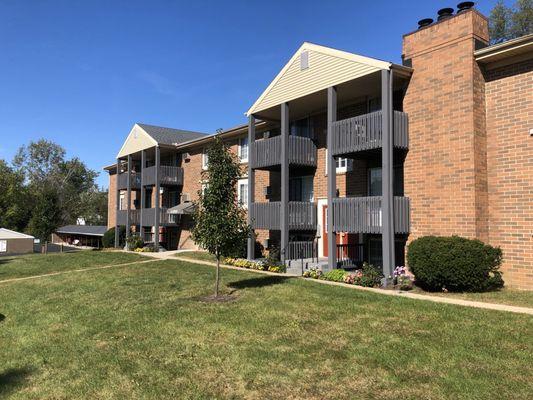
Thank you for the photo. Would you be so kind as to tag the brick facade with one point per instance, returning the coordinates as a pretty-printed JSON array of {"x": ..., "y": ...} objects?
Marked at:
[{"x": 509, "y": 100}]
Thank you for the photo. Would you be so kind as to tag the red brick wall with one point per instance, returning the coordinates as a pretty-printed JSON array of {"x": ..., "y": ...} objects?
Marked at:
[
  {"x": 445, "y": 169},
  {"x": 112, "y": 201},
  {"x": 509, "y": 101}
]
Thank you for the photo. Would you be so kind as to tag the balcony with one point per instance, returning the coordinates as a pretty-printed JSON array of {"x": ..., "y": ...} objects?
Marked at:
[
  {"x": 168, "y": 175},
  {"x": 302, "y": 215},
  {"x": 363, "y": 214},
  {"x": 148, "y": 217},
  {"x": 267, "y": 152},
  {"x": 364, "y": 133},
  {"x": 122, "y": 180}
]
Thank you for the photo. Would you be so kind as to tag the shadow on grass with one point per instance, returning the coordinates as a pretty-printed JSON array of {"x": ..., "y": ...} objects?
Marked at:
[
  {"x": 258, "y": 282},
  {"x": 5, "y": 260},
  {"x": 12, "y": 378}
]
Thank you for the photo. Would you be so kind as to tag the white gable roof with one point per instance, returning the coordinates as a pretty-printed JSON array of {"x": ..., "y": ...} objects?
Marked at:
[
  {"x": 9, "y": 234},
  {"x": 136, "y": 141},
  {"x": 325, "y": 67}
]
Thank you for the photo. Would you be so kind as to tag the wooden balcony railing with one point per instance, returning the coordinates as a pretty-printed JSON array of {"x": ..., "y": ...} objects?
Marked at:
[
  {"x": 148, "y": 216},
  {"x": 302, "y": 215},
  {"x": 364, "y": 214},
  {"x": 168, "y": 175},
  {"x": 267, "y": 152},
  {"x": 364, "y": 132},
  {"x": 122, "y": 180}
]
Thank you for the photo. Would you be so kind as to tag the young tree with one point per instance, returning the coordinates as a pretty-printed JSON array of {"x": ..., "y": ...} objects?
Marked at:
[
  {"x": 220, "y": 224},
  {"x": 508, "y": 23},
  {"x": 46, "y": 214}
]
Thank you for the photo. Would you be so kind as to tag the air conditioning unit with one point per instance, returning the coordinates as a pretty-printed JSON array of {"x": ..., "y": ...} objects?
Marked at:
[
  {"x": 266, "y": 243},
  {"x": 185, "y": 156},
  {"x": 267, "y": 191},
  {"x": 266, "y": 134},
  {"x": 185, "y": 197}
]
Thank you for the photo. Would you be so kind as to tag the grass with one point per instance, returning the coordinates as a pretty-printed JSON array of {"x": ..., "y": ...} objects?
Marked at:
[
  {"x": 37, "y": 264},
  {"x": 197, "y": 255},
  {"x": 143, "y": 332},
  {"x": 521, "y": 298},
  {"x": 513, "y": 297}
]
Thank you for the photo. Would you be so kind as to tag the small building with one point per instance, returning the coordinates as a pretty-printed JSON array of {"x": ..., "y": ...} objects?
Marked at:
[
  {"x": 12, "y": 242},
  {"x": 80, "y": 235}
]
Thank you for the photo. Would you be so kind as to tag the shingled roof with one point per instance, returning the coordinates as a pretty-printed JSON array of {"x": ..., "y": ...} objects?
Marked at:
[{"x": 170, "y": 136}]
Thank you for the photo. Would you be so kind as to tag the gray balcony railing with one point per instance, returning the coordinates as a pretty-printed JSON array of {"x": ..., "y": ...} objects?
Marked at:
[
  {"x": 267, "y": 152},
  {"x": 168, "y": 175},
  {"x": 148, "y": 216},
  {"x": 122, "y": 180},
  {"x": 302, "y": 215},
  {"x": 364, "y": 215},
  {"x": 364, "y": 132}
]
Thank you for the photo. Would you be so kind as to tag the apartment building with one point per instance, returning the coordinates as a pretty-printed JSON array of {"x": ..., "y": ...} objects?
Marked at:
[{"x": 347, "y": 158}]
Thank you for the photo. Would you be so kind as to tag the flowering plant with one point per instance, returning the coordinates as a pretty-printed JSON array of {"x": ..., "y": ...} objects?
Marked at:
[{"x": 401, "y": 279}]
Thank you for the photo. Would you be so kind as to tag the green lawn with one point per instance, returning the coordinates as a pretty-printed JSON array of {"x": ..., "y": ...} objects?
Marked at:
[
  {"x": 512, "y": 297},
  {"x": 197, "y": 255},
  {"x": 36, "y": 264},
  {"x": 141, "y": 332}
]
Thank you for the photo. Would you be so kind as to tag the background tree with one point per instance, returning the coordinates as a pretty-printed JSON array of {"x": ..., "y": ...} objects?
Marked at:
[
  {"x": 508, "y": 23},
  {"x": 14, "y": 199},
  {"x": 46, "y": 214},
  {"x": 219, "y": 222},
  {"x": 499, "y": 23},
  {"x": 522, "y": 18}
]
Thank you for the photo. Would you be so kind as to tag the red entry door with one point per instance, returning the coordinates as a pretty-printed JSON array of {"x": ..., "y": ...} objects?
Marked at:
[{"x": 325, "y": 233}]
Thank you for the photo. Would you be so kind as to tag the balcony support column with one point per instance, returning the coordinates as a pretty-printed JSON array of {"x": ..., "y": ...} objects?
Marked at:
[
  {"x": 157, "y": 198},
  {"x": 387, "y": 179},
  {"x": 117, "y": 206},
  {"x": 128, "y": 206},
  {"x": 332, "y": 177},
  {"x": 143, "y": 193},
  {"x": 251, "y": 185},
  {"x": 284, "y": 213}
]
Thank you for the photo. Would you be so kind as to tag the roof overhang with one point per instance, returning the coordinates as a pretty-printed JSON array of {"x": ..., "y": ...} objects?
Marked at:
[
  {"x": 183, "y": 208},
  {"x": 507, "y": 52},
  {"x": 314, "y": 68}
]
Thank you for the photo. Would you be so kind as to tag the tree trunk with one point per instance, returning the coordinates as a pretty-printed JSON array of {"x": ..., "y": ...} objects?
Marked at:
[{"x": 217, "y": 279}]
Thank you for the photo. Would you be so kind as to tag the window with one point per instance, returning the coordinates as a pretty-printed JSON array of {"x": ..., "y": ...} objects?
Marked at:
[
  {"x": 203, "y": 188},
  {"x": 243, "y": 149},
  {"x": 375, "y": 253},
  {"x": 242, "y": 192},
  {"x": 301, "y": 188},
  {"x": 3, "y": 246},
  {"x": 122, "y": 204},
  {"x": 301, "y": 128},
  {"x": 375, "y": 181},
  {"x": 205, "y": 159}
]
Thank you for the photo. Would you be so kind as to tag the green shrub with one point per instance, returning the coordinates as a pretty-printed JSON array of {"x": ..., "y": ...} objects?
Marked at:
[
  {"x": 454, "y": 263},
  {"x": 108, "y": 240},
  {"x": 134, "y": 242},
  {"x": 370, "y": 276},
  {"x": 335, "y": 275}
]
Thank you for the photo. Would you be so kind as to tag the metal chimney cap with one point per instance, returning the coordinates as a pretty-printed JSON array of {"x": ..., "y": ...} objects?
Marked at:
[
  {"x": 425, "y": 22},
  {"x": 465, "y": 5},
  {"x": 444, "y": 13}
]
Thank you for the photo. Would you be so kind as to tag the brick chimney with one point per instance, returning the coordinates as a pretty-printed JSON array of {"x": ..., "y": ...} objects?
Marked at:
[{"x": 446, "y": 168}]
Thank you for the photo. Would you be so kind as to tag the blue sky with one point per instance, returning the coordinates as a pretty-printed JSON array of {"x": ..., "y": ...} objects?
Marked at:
[{"x": 81, "y": 73}]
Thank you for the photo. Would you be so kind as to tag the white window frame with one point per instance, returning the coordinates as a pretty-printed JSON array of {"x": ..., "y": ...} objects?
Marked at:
[
  {"x": 239, "y": 150},
  {"x": 205, "y": 159},
  {"x": 348, "y": 167},
  {"x": 3, "y": 246},
  {"x": 242, "y": 182}
]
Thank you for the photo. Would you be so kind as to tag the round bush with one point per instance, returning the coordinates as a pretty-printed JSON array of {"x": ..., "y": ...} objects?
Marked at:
[
  {"x": 454, "y": 263},
  {"x": 108, "y": 240}
]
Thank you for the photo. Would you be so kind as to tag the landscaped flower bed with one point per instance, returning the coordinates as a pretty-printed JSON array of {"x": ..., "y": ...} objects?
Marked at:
[
  {"x": 261, "y": 265},
  {"x": 368, "y": 276}
]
